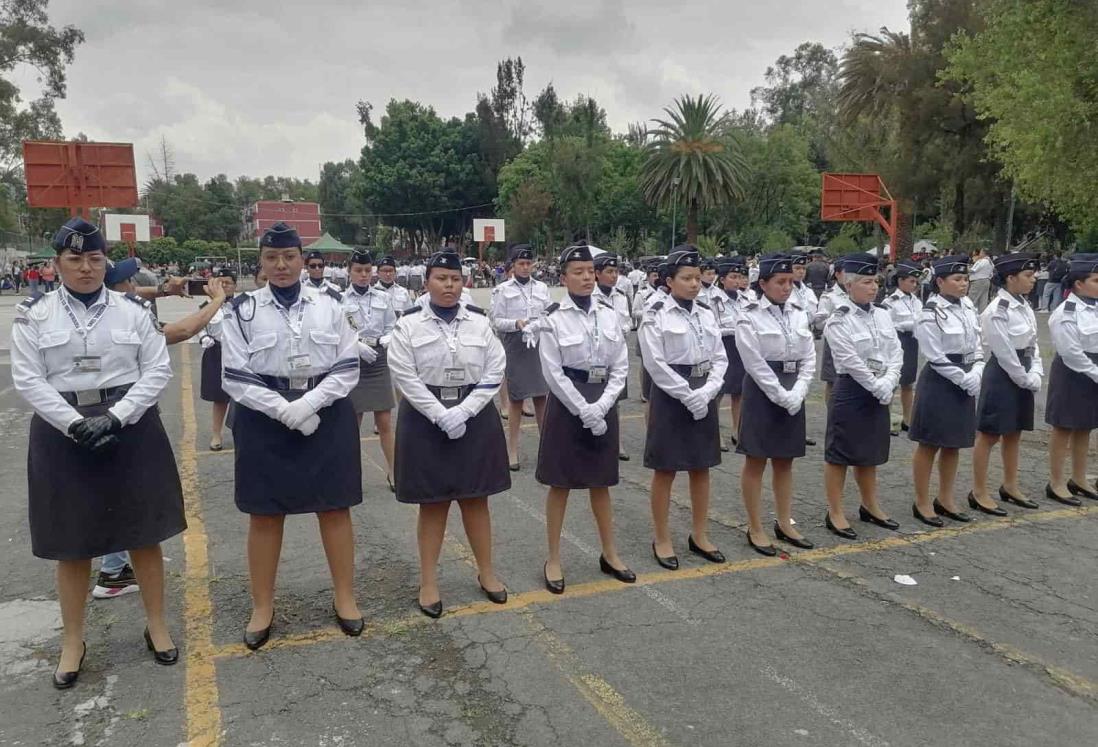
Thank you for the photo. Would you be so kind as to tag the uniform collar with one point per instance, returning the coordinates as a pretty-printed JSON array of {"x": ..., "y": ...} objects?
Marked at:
[
  {"x": 567, "y": 303},
  {"x": 308, "y": 294},
  {"x": 429, "y": 313},
  {"x": 104, "y": 298},
  {"x": 1014, "y": 302}
]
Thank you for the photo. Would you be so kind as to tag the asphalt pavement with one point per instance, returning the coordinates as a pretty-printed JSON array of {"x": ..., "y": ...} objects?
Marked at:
[{"x": 994, "y": 645}]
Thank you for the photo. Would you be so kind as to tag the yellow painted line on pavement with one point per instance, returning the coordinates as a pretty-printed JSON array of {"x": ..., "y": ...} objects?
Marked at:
[
  {"x": 1063, "y": 678},
  {"x": 203, "y": 707}
]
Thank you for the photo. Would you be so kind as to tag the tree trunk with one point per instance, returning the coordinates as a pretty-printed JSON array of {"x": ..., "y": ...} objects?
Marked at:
[
  {"x": 959, "y": 223},
  {"x": 905, "y": 236},
  {"x": 692, "y": 222}
]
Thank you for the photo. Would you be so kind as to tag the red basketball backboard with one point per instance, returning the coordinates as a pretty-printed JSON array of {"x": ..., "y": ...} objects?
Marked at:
[
  {"x": 78, "y": 175},
  {"x": 859, "y": 197}
]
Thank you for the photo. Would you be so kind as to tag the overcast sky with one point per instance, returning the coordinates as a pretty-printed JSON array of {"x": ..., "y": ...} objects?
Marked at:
[{"x": 266, "y": 87}]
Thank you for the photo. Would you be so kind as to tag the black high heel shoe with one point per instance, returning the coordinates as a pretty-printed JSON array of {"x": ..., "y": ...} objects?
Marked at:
[
  {"x": 65, "y": 680},
  {"x": 1068, "y": 500},
  {"x": 847, "y": 533},
  {"x": 555, "y": 586},
  {"x": 1022, "y": 502},
  {"x": 767, "y": 550},
  {"x": 934, "y": 521},
  {"x": 352, "y": 626},
  {"x": 954, "y": 515},
  {"x": 254, "y": 640},
  {"x": 975, "y": 506},
  {"x": 495, "y": 597},
  {"x": 801, "y": 543},
  {"x": 625, "y": 575},
  {"x": 671, "y": 562},
  {"x": 433, "y": 611},
  {"x": 869, "y": 518},
  {"x": 167, "y": 657},
  {"x": 713, "y": 556},
  {"x": 1080, "y": 490}
]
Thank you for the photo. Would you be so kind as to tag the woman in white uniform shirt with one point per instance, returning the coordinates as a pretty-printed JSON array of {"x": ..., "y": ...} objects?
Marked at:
[
  {"x": 607, "y": 287},
  {"x": 904, "y": 307}
]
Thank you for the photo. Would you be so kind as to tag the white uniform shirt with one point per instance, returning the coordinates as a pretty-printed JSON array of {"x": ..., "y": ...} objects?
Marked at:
[
  {"x": 124, "y": 336},
  {"x": 865, "y": 346},
  {"x": 1008, "y": 325},
  {"x": 370, "y": 314},
  {"x": 424, "y": 300},
  {"x": 213, "y": 329},
  {"x": 947, "y": 328},
  {"x": 427, "y": 351},
  {"x": 827, "y": 303},
  {"x": 324, "y": 283},
  {"x": 672, "y": 336},
  {"x": 636, "y": 277},
  {"x": 728, "y": 310},
  {"x": 402, "y": 299},
  {"x": 806, "y": 298},
  {"x": 573, "y": 338},
  {"x": 620, "y": 303},
  {"x": 513, "y": 301},
  {"x": 905, "y": 309},
  {"x": 766, "y": 332},
  {"x": 1074, "y": 330},
  {"x": 625, "y": 285},
  {"x": 982, "y": 269},
  {"x": 310, "y": 339},
  {"x": 645, "y": 298}
]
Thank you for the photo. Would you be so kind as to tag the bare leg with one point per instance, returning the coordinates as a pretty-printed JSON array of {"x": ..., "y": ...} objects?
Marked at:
[
  {"x": 907, "y": 401},
  {"x": 1080, "y": 441},
  {"x": 866, "y": 477},
  {"x": 1058, "y": 443},
  {"x": 604, "y": 520},
  {"x": 661, "y": 507},
  {"x": 72, "y": 593},
  {"x": 922, "y": 463},
  {"x": 383, "y": 421},
  {"x": 264, "y": 549},
  {"x": 556, "y": 502},
  {"x": 358, "y": 417},
  {"x": 981, "y": 457},
  {"x": 834, "y": 482},
  {"x": 217, "y": 421},
  {"x": 338, "y": 537},
  {"x": 751, "y": 477},
  {"x": 699, "y": 508},
  {"x": 430, "y": 529},
  {"x": 781, "y": 472},
  {"x": 539, "y": 411},
  {"x": 947, "y": 474},
  {"x": 504, "y": 400},
  {"x": 148, "y": 566},
  {"x": 478, "y": 528},
  {"x": 514, "y": 430},
  {"x": 1012, "y": 443},
  {"x": 737, "y": 403}
]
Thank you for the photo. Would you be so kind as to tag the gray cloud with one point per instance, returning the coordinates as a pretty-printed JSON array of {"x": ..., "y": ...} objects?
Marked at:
[{"x": 255, "y": 87}]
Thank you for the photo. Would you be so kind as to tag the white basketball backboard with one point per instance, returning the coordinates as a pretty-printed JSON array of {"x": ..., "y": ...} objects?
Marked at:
[
  {"x": 121, "y": 227},
  {"x": 488, "y": 229}
]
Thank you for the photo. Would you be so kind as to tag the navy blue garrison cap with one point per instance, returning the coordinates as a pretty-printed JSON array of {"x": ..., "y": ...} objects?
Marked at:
[
  {"x": 1010, "y": 264},
  {"x": 905, "y": 268},
  {"x": 361, "y": 257},
  {"x": 314, "y": 255},
  {"x": 280, "y": 236},
  {"x": 606, "y": 260},
  {"x": 445, "y": 260},
  {"x": 79, "y": 236},
  {"x": 772, "y": 264},
  {"x": 799, "y": 258},
  {"x": 860, "y": 264},
  {"x": 956, "y": 264},
  {"x": 732, "y": 264},
  {"x": 579, "y": 253},
  {"x": 520, "y": 251},
  {"x": 1084, "y": 263},
  {"x": 683, "y": 255},
  {"x": 118, "y": 272},
  {"x": 387, "y": 261}
]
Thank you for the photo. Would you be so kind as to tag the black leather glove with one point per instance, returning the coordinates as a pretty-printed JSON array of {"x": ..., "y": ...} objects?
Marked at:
[
  {"x": 104, "y": 444},
  {"x": 88, "y": 431}
]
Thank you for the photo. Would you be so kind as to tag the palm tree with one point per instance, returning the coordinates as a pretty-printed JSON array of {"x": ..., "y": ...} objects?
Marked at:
[{"x": 693, "y": 159}]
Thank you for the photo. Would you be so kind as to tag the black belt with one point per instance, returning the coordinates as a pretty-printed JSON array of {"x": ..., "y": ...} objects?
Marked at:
[
  {"x": 579, "y": 376},
  {"x": 955, "y": 359},
  {"x": 905, "y": 334},
  {"x": 451, "y": 394},
  {"x": 282, "y": 383},
  {"x": 96, "y": 396},
  {"x": 779, "y": 366},
  {"x": 683, "y": 370}
]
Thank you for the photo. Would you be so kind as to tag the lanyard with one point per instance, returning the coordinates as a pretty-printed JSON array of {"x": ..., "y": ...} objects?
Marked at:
[
  {"x": 786, "y": 332},
  {"x": 450, "y": 333},
  {"x": 526, "y": 296},
  {"x": 293, "y": 324},
  {"x": 696, "y": 329},
  {"x": 596, "y": 341},
  {"x": 83, "y": 329}
]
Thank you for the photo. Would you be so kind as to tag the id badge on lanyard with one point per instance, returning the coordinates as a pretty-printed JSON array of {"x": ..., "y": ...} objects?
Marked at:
[
  {"x": 85, "y": 363},
  {"x": 453, "y": 376},
  {"x": 701, "y": 368}
]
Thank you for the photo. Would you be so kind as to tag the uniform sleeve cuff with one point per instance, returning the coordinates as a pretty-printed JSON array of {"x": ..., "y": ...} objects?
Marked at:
[{"x": 122, "y": 410}]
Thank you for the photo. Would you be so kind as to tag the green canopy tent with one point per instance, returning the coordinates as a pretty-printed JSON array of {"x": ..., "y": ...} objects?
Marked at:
[{"x": 328, "y": 244}]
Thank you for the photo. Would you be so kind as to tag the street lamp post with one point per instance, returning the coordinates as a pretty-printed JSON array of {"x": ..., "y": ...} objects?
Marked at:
[{"x": 674, "y": 208}]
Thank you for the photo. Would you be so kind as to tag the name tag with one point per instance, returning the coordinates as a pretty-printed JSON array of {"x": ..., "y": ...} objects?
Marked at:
[
  {"x": 453, "y": 375},
  {"x": 449, "y": 394},
  {"x": 790, "y": 367},
  {"x": 876, "y": 367},
  {"x": 300, "y": 362},
  {"x": 968, "y": 358},
  {"x": 596, "y": 374},
  {"x": 700, "y": 369},
  {"x": 87, "y": 363}
]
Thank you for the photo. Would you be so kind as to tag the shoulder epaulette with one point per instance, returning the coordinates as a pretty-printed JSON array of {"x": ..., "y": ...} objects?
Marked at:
[
  {"x": 703, "y": 304},
  {"x": 29, "y": 301},
  {"x": 656, "y": 306},
  {"x": 881, "y": 306},
  {"x": 414, "y": 310},
  {"x": 334, "y": 293},
  {"x": 1004, "y": 304},
  {"x": 476, "y": 309},
  {"x": 797, "y": 307},
  {"x": 551, "y": 308},
  {"x": 239, "y": 300},
  {"x": 606, "y": 302},
  {"x": 840, "y": 310},
  {"x": 1069, "y": 306},
  {"x": 930, "y": 305},
  {"x": 752, "y": 306},
  {"x": 138, "y": 300}
]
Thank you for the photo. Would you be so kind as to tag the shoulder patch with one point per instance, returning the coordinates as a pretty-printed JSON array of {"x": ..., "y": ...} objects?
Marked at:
[
  {"x": 414, "y": 310},
  {"x": 476, "y": 309},
  {"x": 239, "y": 300},
  {"x": 703, "y": 304},
  {"x": 881, "y": 306},
  {"x": 29, "y": 301},
  {"x": 840, "y": 310},
  {"x": 656, "y": 306},
  {"x": 1004, "y": 304},
  {"x": 551, "y": 308},
  {"x": 334, "y": 293},
  {"x": 606, "y": 302},
  {"x": 138, "y": 300},
  {"x": 1069, "y": 306},
  {"x": 797, "y": 307},
  {"x": 752, "y": 306}
]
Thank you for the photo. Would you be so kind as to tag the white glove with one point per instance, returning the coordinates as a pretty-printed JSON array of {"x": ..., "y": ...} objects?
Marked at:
[
  {"x": 1033, "y": 381},
  {"x": 971, "y": 384},
  {"x": 206, "y": 341},
  {"x": 530, "y": 334},
  {"x": 599, "y": 428},
  {"x": 366, "y": 353},
  {"x": 883, "y": 391},
  {"x": 589, "y": 415},
  {"x": 296, "y": 413},
  {"x": 695, "y": 401},
  {"x": 457, "y": 431},
  {"x": 452, "y": 418},
  {"x": 310, "y": 425},
  {"x": 799, "y": 391}
]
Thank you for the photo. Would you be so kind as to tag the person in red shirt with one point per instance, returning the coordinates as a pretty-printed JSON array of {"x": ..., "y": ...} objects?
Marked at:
[
  {"x": 32, "y": 277},
  {"x": 49, "y": 276}
]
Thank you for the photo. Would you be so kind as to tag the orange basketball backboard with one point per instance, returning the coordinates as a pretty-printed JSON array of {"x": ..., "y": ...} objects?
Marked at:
[
  {"x": 859, "y": 197},
  {"x": 79, "y": 176}
]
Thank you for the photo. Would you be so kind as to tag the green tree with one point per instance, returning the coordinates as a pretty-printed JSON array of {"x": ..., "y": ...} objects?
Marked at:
[
  {"x": 344, "y": 213},
  {"x": 693, "y": 160},
  {"x": 1032, "y": 74}
]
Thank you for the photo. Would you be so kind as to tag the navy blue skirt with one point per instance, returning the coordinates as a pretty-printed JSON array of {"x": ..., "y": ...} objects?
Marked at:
[
  {"x": 766, "y": 430},
  {"x": 857, "y": 426},
  {"x": 1072, "y": 402},
  {"x": 944, "y": 415},
  {"x": 282, "y": 471},
  {"x": 569, "y": 455},
  {"x": 827, "y": 368},
  {"x": 910, "y": 370},
  {"x": 1004, "y": 406},
  {"x": 210, "y": 389},
  {"x": 674, "y": 441},
  {"x": 733, "y": 375}
]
